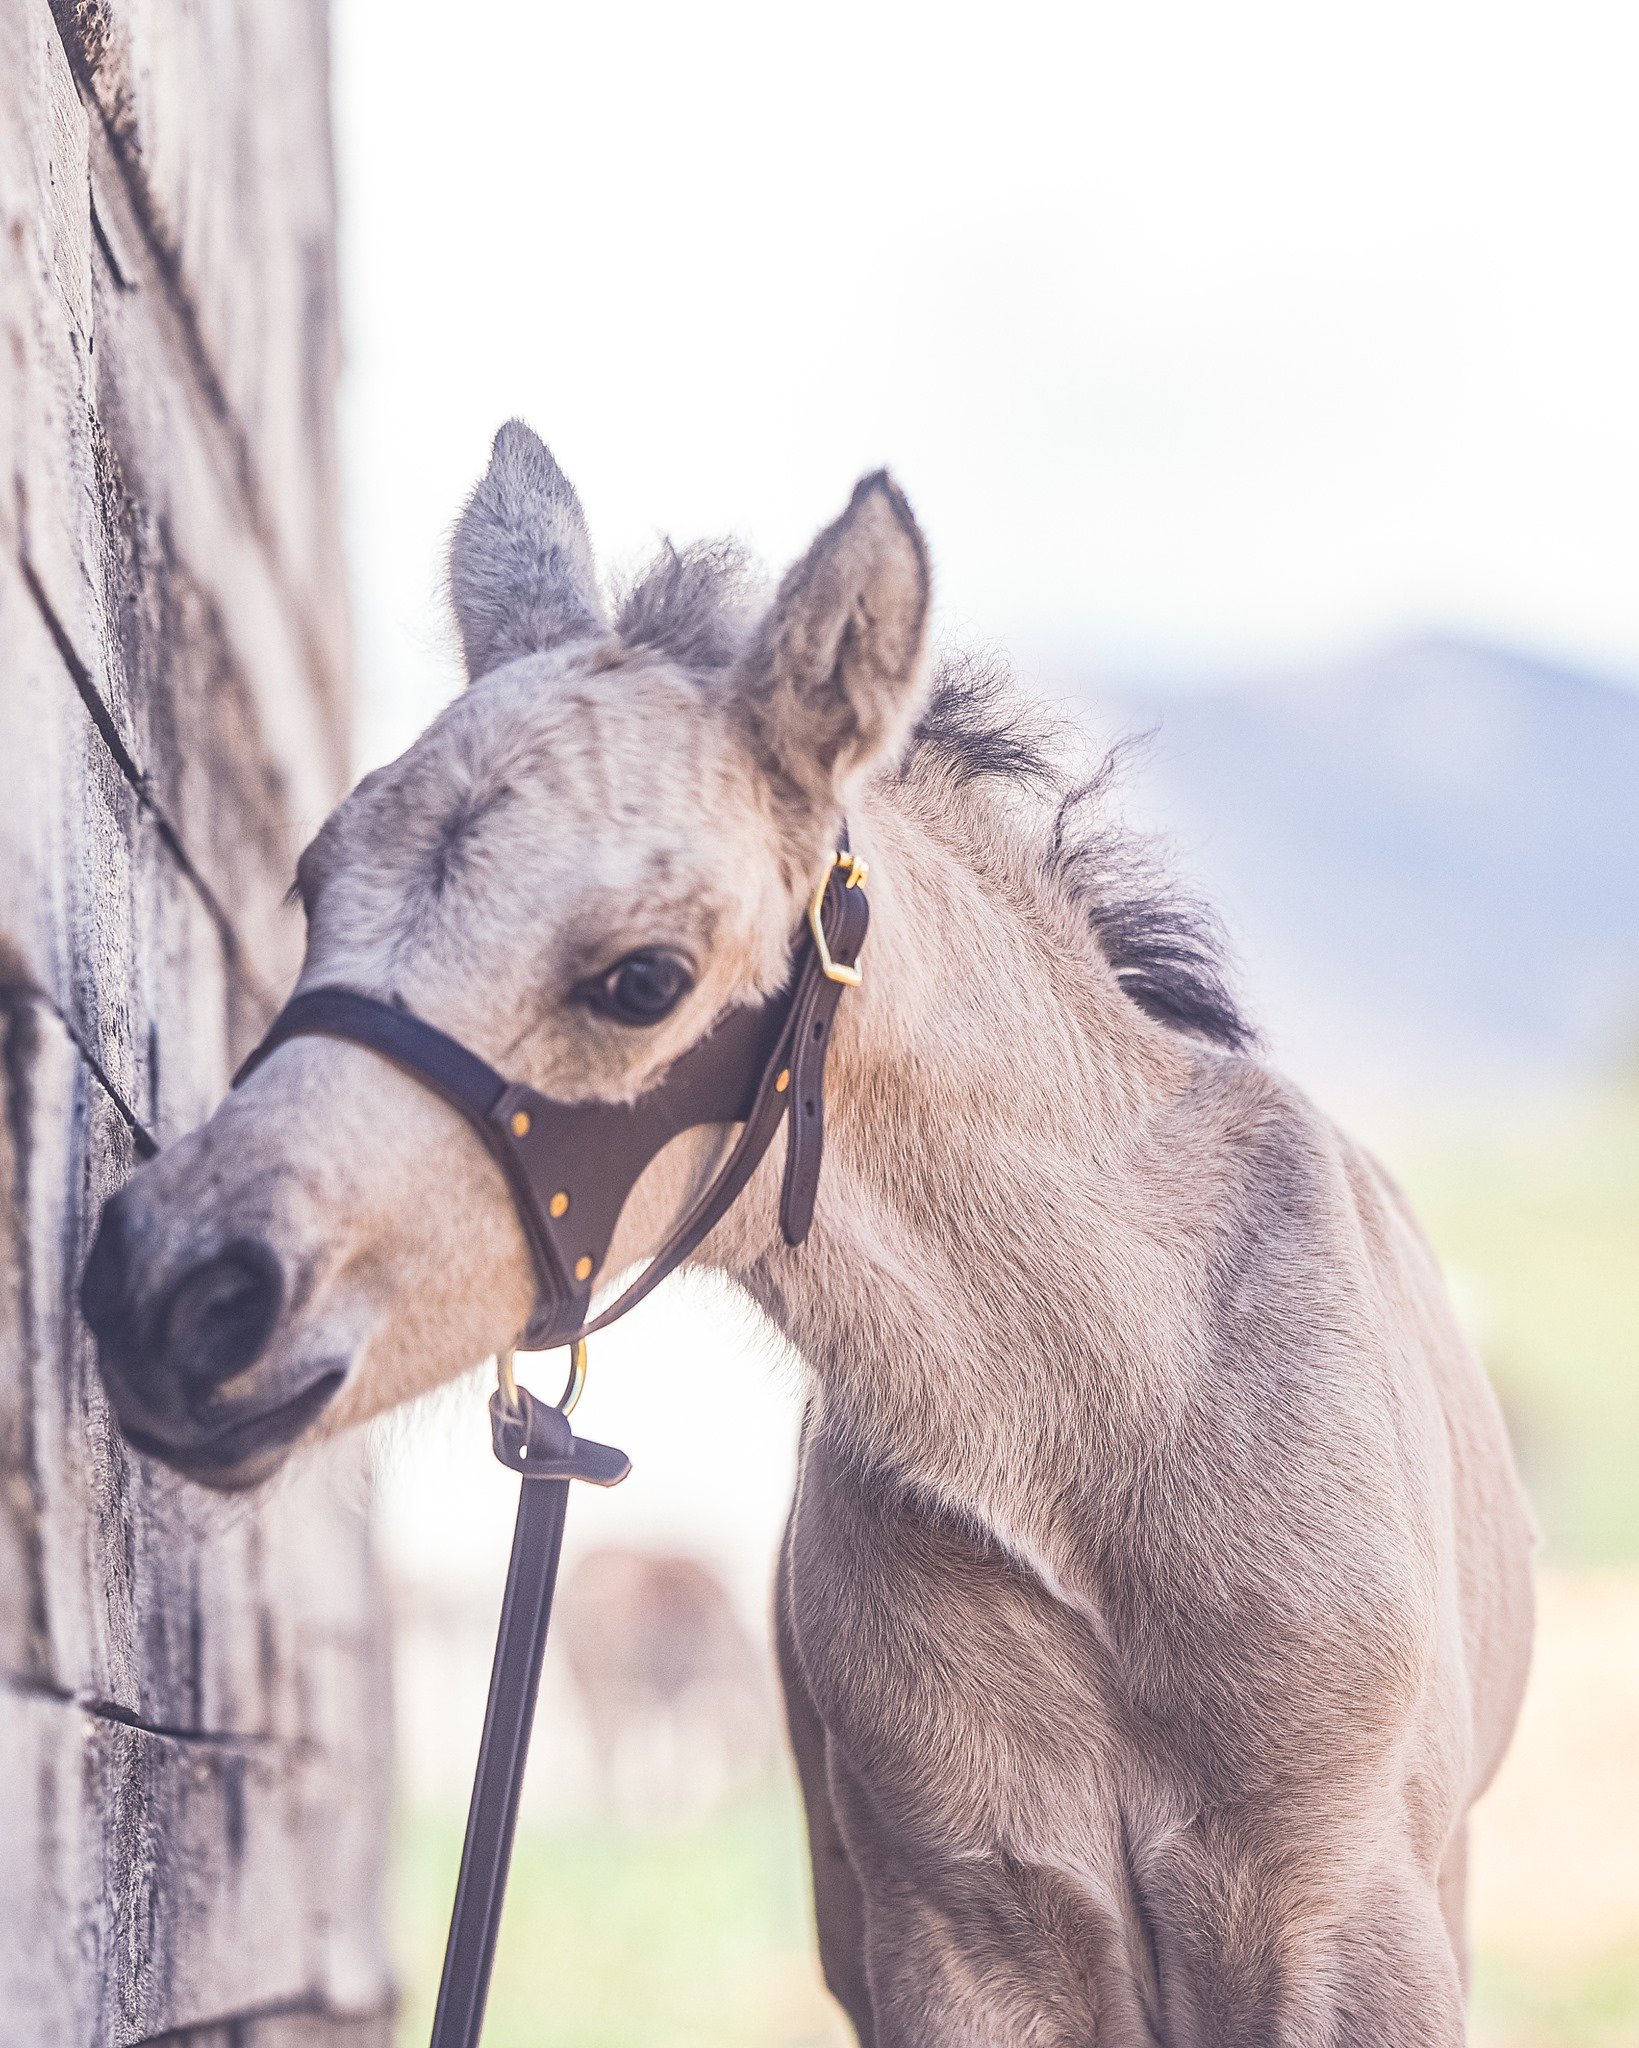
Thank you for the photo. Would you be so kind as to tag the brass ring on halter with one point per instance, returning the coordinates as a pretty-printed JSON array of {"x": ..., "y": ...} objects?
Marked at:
[
  {"x": 506, "y": 1377},
  {"x": 576, "y": 1381}
]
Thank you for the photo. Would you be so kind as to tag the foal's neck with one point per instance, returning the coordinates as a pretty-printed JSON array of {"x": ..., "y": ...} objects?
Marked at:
[{"x": 983, "y": 1269}]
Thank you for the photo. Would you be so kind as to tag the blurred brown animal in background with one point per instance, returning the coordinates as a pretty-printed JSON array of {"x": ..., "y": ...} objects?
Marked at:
[{"x": 678, "y": 1699}]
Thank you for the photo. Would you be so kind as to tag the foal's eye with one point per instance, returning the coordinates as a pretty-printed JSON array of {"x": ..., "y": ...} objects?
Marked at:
[{"x": 641, "y": 989}]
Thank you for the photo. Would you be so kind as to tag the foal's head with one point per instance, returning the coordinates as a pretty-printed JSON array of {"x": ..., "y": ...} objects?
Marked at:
[{"x": 605, "y": 842}]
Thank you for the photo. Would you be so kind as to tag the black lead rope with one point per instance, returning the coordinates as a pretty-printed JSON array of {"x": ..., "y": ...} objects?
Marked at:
[{"x": 536, "y": 1442}]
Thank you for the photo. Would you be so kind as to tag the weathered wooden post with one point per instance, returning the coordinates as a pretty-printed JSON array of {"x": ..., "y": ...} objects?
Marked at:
[{"x": 193, "y": 1713}]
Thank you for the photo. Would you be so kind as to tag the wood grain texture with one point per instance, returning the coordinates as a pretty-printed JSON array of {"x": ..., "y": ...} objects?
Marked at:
[
  {"x": 193, "y": 1707},
  {"x": 220, "y": 117}
]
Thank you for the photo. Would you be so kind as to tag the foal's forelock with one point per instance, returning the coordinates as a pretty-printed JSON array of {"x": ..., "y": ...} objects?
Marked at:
[{"x": 696, "y": 605}]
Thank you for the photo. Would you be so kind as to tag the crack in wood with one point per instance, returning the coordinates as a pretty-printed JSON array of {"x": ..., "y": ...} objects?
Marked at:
[
  {"x": 238, "y": 2030},
  {"x": 250, "y": 982},
  {"x": 15, "y": 993},
  {"x": 251, "y": 1741}
]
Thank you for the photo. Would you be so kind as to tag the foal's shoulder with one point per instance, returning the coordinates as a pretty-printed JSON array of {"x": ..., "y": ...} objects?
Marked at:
[
  {"x": 1304, "y": 1206},
  {"x": 1259, "y": 1128}
]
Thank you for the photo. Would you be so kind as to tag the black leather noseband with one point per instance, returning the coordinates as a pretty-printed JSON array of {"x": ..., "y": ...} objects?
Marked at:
[{"x": 570, "y": 1166}]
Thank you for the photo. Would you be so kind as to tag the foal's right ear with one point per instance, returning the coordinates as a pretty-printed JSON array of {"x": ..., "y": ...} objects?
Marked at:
[
  {"x": 521, "y": 571},
  {"x": 833, "y": 679}
]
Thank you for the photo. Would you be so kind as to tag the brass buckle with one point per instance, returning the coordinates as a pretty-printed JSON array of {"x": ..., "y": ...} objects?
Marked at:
[
  {"x": 506, "y": 1377},
  {"x": 835, "y": 970}
]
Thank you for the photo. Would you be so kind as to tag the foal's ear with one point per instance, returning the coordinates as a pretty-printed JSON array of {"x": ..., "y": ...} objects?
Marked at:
[
  {"x": 521, "y": 573},
  {"x": 832, "y": 681}
]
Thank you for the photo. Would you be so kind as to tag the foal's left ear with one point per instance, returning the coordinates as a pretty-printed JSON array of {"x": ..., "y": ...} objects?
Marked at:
[
  {"x": 521, "y": 571},
  {"x": 833, "y": 679}
]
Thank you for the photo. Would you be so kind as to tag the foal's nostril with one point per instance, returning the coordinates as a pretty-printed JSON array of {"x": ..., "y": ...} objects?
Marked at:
[
  {"x": 105, "y": 1284},
  {"x": 219, "y": 1314}
]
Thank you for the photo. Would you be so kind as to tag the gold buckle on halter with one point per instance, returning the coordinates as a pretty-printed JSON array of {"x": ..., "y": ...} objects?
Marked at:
[
  {"x": 835, "y": 970},
  {"x": 506, "y": 1377}
]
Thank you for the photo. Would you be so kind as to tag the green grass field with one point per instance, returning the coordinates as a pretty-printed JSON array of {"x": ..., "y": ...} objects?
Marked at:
[
  {"x": 695, "y": 1937},
  {"x": 1540, "y": 1229},
  {"x": 1528, "y": 2003},
  {"x": 700, "y": 1938},
  {"x": 701, "y": 1935}
]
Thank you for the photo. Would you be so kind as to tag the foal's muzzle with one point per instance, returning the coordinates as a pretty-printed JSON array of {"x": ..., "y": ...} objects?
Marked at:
[
  {"x": 168, "y": 1358},
  {"x": 182, "y": 1351}
]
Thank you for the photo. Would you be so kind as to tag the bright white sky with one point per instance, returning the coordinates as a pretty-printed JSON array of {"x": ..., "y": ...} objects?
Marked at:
[
  {"x": 1195, "y": 332},
  {"x": 1198, "y": 333}
]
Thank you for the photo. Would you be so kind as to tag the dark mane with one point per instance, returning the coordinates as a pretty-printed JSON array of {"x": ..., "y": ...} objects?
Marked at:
[{"x": 1167, "y": 949}]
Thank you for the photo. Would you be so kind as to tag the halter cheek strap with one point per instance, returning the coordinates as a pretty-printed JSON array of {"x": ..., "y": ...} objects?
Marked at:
[{"x": 570, "y": 1166}]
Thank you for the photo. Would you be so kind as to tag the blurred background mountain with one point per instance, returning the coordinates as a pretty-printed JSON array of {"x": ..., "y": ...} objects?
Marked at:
[{"x": 1427, "y": 855}]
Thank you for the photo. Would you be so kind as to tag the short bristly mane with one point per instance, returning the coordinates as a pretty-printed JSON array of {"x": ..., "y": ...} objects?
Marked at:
[
  {"x": 1167, "y": 948},
  {"x": 697, "y": 605}
]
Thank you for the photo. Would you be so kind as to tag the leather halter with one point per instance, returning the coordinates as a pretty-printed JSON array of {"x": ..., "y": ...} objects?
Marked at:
[{"x": 570, "y": 1166}]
